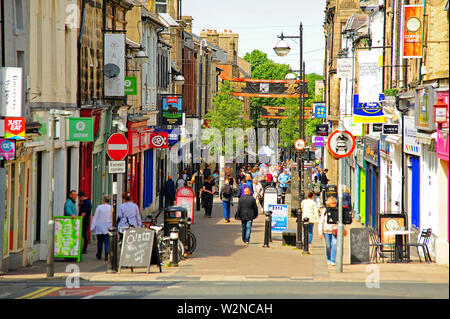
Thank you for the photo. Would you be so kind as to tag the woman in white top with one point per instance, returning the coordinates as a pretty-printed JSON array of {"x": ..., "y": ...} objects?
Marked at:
[
  {"x": 101, "y": 222},
  {"x": 258, "y": 191},
  {"x": 310, "y": 210}
]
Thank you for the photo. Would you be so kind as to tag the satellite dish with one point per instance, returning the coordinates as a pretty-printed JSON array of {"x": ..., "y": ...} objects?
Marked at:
[{"x": 111, "y": 70}]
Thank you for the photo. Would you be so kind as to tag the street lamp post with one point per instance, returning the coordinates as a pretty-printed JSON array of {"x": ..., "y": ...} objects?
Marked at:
[{"x": 282, "y": 49}]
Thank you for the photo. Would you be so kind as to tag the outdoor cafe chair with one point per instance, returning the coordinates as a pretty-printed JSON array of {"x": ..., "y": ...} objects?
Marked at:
[
  {"x": 377, "y": 245},
  {"x": 423, "y": 241}
]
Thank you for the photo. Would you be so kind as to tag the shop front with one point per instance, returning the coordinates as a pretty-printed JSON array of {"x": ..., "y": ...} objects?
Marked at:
[
  {"x": 360, "y": 184},
  {"x": 372, "y": 179}
]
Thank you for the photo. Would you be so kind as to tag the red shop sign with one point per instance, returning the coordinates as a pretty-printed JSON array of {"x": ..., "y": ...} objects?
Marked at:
[{"x": 159, "y": 140}]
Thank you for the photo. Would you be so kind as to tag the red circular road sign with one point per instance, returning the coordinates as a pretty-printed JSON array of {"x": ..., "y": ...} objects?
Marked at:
[
  {"x": 341, "y": 143},
  {"x": 117, "y": 147}
]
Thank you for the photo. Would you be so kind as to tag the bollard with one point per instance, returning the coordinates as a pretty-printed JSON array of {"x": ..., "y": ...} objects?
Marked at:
[
  {"x": 267, "y": 228},
  {"x": 174, "y": 243},
  {"x": 299, "y": 229},
  {"x": 270, "y": 227},
  {"x": 50, "y": 257},
  {"x": 182, "y": 232},
  {"x": 305, "y": 235},
  {"x": 112, "y": 257}
]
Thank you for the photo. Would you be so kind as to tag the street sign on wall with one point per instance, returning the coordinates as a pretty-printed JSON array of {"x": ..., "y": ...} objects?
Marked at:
[{"x": 117, "y": 147}]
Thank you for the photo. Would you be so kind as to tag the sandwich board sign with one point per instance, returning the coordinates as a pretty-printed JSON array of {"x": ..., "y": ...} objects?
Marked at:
[{"x": 68, "y": 231}]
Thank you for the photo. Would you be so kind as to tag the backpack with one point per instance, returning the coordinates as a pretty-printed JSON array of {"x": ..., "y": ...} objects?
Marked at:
[
  {"x": 227, "y": 191},
  {"x": 316, "y": 188}
]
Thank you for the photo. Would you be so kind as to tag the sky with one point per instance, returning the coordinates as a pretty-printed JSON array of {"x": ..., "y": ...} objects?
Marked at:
[{"x": 259, "y": 22}]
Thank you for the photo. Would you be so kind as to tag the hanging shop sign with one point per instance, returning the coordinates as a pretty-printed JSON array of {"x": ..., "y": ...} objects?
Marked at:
[
  {"x": 322, "y": 129},
  {"x": 80, "y": 129},
  {"x": 173, "y": 135},
  {"x": 411, "y": 144},
  {"x": 15, "y": 128},
  {"x": 377, "y": 127},
  {"x": 372, "y": 151},
  {"x": 320, "y": 110},
  {"x": 412, "y": 31},
  {"x": 368, "y": 112},
  {"x": 159, "y": 140},
  {"x": 385, "y": 147},
  {"x": 344, "y": 68},
  {"x": 130, "y": 85},
  {"x": 273, "y": 112},
  {"x": 68, "y": 232},
  {"x": 341, "y": 143},
  {"x": 172, "y": 113},
  {"x": 318, "y": 141},
  {"x": 7, "y": 149},
  {"x": 390, "y": 129},
  {"x": 355, "y": 128},
  {"x": 11, "y": 97},
  {"x": 114, "y": 64},
  {"x": 370, "y": 75}
]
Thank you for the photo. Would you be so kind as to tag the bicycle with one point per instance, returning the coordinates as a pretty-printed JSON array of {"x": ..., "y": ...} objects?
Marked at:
[
  {"x": 191, "y": 243},
  {"x": 164, "y": 242}
]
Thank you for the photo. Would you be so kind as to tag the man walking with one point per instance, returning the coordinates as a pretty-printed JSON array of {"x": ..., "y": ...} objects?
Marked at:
[
  {"x": 169, "y": 192},
  {"x": 247, "y": 211},
  {"x": 85, "y": 212},
  {"x": 324, "y": 178},
  {"x": 70, "y": 207},
  {"x": 226, "y": 195}
]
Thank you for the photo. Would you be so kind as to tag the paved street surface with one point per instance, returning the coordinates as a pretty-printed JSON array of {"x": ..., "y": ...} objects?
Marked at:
[{"x": 222, "y": 267}]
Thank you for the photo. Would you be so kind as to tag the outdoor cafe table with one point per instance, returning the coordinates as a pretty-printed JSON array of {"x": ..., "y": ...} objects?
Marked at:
[{"x": 398, "y": 243}]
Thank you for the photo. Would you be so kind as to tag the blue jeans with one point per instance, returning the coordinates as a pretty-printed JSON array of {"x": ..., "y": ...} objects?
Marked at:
[
  {"x": 246, "y": 230},
  {"x": 226, "y": 209},
  {"x": 102, "y": 240},
  {"x": 330, "y": 240},
  {"x": 310, "y": 232}
]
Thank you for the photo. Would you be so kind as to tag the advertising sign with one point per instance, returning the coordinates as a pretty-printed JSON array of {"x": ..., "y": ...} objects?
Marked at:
[
  {"x": 173, "y": 134},
  {"x": 322, "y": 129},
  {"x": 410, "y": 143},
  {"x": 369, "y": 82},
  {"x": 371, "y": 151},
  {"x": 130, "y": 85},
  {"x": 390, "y": 222},
  {"x": 7, "y": 149},
  {"x": 68, "y": 237},
  {"x": 11, "y": 92},
  {"x": 377, "y": 127},
  {"x": 159, "y": 140},
  {"x": 80, "y": 129},
  {"x": 412, "y": 31},
  {"x": 368, "y": 112},
  {"x": 273, "y": 112},
  {"x": 390, "y": 129},
  {"x": 318, "y": 141},
  {"x": 114, "y": 64},
  {"x": 355, "y": 128},
  {"x": 172, "y": 113},
  {"x": 320, "y": 110},
  {"x": 185, "y": 198},
  {"x": 15, "y": 128},
  {"x": 279, "y": 217}
]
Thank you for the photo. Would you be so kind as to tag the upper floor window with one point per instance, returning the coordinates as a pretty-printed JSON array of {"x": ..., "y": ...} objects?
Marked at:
[
  {"x": 19, "y": 14},
  {"x": 162, "y": 6}
]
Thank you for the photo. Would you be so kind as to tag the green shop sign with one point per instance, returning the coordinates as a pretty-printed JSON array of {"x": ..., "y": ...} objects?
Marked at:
[
  {"x": 80, "y": 129},
  {"x": 68, "y": 237},
  {"x": 130, "y": 85}
]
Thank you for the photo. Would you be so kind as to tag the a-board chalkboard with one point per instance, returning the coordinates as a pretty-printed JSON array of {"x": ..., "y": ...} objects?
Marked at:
[
  {"x": 139, "y": 249},
  {"x": 359, "y": 246}
]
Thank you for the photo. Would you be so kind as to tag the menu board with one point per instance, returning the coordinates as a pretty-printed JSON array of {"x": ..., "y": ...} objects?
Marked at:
[{"x": 68, "y": 237}]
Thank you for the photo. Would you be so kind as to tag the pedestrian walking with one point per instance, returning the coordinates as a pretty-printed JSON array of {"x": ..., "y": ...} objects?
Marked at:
[
  {"x": 283, "y": 180},
  {"x": 258, "y": 192},
  {"x": 85, "y": 213},
  {"x": 324, "y": 178},
  {"x": 70, "y": 206},
  {"x": 101, "y": 223},
  {"x": 310, "y": 210},
  {"x": 169, "y": 192},
  {"x": 128, "y": 214},
  {"x": 206, "y": 172},
  {"x": 208, "y": 191},
  {"x": 346, "y": 197},
  {"x": 226, "y": 196},
  {"x": 181, "y": 182},
  {"x": 329, "y": 231},
  {"x": 247, "y": 211},
  {"x": 317, "y": 188}
]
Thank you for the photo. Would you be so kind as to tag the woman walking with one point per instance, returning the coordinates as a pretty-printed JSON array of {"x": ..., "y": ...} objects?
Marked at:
[
  {"x": 128, "y": 214},
  {"x": 329, "y": 231},
  {"x": 208, "y": 191},
  {"x": 101, "y": 223},
  {"x": 310, "y": 211}
]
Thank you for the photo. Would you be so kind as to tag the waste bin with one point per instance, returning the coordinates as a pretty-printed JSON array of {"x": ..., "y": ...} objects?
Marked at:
[{"x": 172, "y": 216}]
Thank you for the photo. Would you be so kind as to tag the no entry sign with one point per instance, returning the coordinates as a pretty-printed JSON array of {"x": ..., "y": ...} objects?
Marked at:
[
  {"x": 341, "y": 143},
  {"x": 117, "y": 147}
]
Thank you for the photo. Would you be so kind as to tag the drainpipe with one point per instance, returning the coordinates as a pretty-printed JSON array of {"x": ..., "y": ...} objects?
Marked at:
[
  {"x": 423, "y": 31},
  {"x": 3, "y": 34},
  {"x": 2, "y": 163},
  {"x": 79, "y": 54}
]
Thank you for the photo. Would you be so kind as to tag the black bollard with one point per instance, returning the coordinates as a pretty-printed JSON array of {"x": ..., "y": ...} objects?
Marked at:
[
  {"x": 299, "y": 229},
  {"x": 305, "y": 235},
  {"x": 182, "y": 232},
  {"x": 112, "y": 257},
  {"x": 270, "y": 227},
  {"x": 174, "y": 242},
  {"x": 267, "y": 228}
]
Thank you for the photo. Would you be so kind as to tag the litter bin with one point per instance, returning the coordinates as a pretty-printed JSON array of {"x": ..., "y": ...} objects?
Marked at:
[{"x": 172, "y": 216}]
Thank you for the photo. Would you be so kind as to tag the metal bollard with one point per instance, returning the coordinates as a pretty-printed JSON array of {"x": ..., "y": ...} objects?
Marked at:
[
  {"x": 305, "y": 235},
  {"x": 267, "y": 228},
  {"x": 182, "y": 232},
  {"x": 112, "y": 257},
  {"x": 174, "y": 243},
  {"x": 299, "y": 229},
  {"x": 270, "y": 227}
]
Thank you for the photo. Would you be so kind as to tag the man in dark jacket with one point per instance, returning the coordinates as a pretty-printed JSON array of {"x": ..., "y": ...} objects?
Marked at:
[
  {"x": 324, "y": 178},
  {"x": 247, "y": 211},
  {"x": 85, "y": 212},
  {"x": 169, "y": 192}
]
